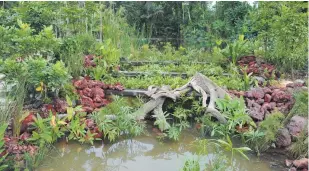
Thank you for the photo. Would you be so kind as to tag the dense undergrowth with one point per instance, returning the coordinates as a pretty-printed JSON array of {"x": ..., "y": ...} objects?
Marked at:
[{"x": 45, "y": 98}]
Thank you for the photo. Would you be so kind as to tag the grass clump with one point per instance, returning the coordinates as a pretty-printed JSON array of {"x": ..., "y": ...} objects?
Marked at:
[{"x": 117, "y": 119}]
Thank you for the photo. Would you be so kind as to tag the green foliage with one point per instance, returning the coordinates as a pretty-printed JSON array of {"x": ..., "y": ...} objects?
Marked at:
[
  {"x": 191, "y": 165},
  {"x": 21, "y": 42},
  {"x": 228, "y": 146},
  {"x": 57, "y": 76},
  {"x": 235, "y": 111},
  {"x": 161, "y": 120},
  {"x": 236, "y": 49},
  {"x": 271, "y": 124},
  {"x": 98, "y": 72},
  {"x": 301, "y": 103},
  {"x": 300, "y": 106},
  {"x": 2, "y": 158},
  {"x": 72, "y": 49},
  {"x": 282, "y": 28},
  {"x": 12, "y": 69},
  {"x": 110, "y": 52},
  {"x": 247, "y": 79},
  {"x": 47, "y": 130},
  {"x": 260, "y": 139},
  {"x": 220, "y": 160},
  {"x": 48, "y": 76},
  {"x": 174, "y": 132},
  {"x": 117, "y": 119},
  {"x": 255, "y": 139},
  {"x": 77, "y": 128},
  {"x": 32, "y": 161},
  {"x": 299, "y": 149}
]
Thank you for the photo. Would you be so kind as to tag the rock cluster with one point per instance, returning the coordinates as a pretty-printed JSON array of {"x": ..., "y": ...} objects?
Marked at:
[
  {"x": 92, "y": 94},
  {"x": 262, "y": 101},
  {"x": 301, "y": 164},
  {"x": 256, "y": 67}
]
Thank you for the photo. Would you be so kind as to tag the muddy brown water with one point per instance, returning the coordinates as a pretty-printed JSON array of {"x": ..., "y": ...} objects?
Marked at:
[{"x": 141, "y": 153}]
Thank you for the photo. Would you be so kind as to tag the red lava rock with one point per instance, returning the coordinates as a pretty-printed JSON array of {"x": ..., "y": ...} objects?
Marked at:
[
  {"x": 60, "y": 105},
  {"x": 258, "y": 93},
  {"x": 27, "y": 122},
  {"x": 256, "y": 67},
  {"x": 97, "y": 99},
  {"x": 48, "y": 108},
  {"x": 248, "y": 94},
  {"x": 106, "y": 102},
  {"x": 24, "y": 136},
  {"x": 98, "y": 105},
  {"x": 99, "y": 134},
  {"x": 266, "y": 106},
  {"x": 88, "y": 109},
  {"x": 87, "y": 101},
  {"x": 272, "y": 104},
  {"x": 250, "y": 103},
  {"x": 88, "y": 61},
  {"x": 92, "y": 93},
  {"x": 267, "y": 98},
  {"x": 267, "y": 90},
  {"x": 302, "y": 163},
  {"x": 281, "y": 96},
  {"x": 116, "y": 86},
  {"x": 260, "y": 101},
  {"x": 87, "y": 92},
  {"x": 97, "y": 91},
  {"x": 256, "y": 113},
  {"x": 89, "y": 123}
]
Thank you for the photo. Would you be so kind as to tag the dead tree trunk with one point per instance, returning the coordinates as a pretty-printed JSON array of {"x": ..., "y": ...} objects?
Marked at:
[{"x": 199, "y": 83}]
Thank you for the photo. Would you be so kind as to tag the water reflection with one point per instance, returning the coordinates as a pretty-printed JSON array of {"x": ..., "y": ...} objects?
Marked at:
[{"x": 138, "y": 154}]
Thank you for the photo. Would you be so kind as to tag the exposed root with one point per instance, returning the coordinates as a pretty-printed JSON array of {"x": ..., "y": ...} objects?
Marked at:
[{"x": 199, "y": 83}]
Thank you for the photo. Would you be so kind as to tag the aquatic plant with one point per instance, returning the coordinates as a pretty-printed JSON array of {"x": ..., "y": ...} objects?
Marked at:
[
  {"x": 191, "y": 164},
  {"x": 116, "y": 119}
]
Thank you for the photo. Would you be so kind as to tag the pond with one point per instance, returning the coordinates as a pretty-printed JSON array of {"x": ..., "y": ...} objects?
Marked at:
[{"x": 140, "y": 153}]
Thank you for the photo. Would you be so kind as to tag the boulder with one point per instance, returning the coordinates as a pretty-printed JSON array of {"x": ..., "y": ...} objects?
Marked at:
[
  {"x": 296, "y": 125},
  {"x": 283, "y": 138}
]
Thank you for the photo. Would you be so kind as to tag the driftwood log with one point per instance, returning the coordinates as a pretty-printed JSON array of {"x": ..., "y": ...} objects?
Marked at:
[{"x": 198, "y": 83}]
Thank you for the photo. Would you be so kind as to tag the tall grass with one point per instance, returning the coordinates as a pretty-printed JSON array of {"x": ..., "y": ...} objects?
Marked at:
[
  {"x": 122, "y": 35},
  {"x": 14, "y": 104}
]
